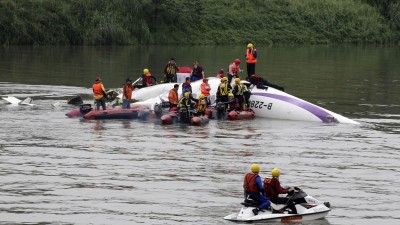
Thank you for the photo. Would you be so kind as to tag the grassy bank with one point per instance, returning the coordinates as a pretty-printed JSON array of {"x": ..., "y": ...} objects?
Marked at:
[{"x": 198, "y": 22}]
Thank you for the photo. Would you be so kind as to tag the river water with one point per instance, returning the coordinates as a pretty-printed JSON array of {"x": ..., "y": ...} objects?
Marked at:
[{"x": 58, "y": 170}]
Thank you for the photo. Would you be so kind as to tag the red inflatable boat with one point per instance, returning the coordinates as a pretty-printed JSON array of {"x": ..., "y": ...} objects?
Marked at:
[
  {"x": 241, "y": 115},
  {"x": 87, "y": 112},
  {"x": 174, "y": 117}
]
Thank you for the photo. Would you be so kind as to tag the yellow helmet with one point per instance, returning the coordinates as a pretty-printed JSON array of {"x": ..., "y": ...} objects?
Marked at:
[
  {"x": 237, "y": 80},
  {"x": 145, "y": 71},
  {"x": 250, "y": 45},
  {"x": 224, "y": 79},
  {"x": 230, "y": 95},
  {"x": 187, "y": 94},
  {"x": 201, "y": 96},
  {"x": 255, "y": 168},
  {"x": 275, "y": 172}
]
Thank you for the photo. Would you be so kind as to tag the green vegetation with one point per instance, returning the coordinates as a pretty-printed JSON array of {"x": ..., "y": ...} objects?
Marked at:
[{"x": 198, "y": 22}]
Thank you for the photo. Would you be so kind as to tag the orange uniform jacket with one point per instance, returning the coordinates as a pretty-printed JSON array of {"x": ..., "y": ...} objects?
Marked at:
[{"x": 173, "y": 97}]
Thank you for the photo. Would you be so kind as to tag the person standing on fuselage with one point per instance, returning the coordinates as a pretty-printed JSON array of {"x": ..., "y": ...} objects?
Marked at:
[
  {"x": 251, "y": 60},
  {"x": 170, "y": 71},
  {"x": 147, "y": 79},
  {"x": 234, "y": 69}
]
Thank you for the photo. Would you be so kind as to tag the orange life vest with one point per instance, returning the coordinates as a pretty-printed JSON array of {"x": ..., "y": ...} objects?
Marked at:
[
  {"x": 173, "y": 97},
  {"x": 98, "y": 90},
  {"x": 204, "y": 90},
  {"x": 127, "y": 89},
  {"x": 249, "y": 183},
  {"x": 235, "y": 68},
  {"x": 250, "y": 57}
]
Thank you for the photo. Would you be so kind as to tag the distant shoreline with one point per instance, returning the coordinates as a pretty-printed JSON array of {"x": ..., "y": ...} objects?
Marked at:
[{"x": 190, "y": 22}]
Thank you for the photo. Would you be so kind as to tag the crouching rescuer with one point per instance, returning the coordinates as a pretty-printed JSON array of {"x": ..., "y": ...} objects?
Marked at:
[{"x": 254, "y": 190}]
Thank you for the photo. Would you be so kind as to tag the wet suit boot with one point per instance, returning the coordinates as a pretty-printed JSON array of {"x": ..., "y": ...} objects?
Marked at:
[{"x": 255, "y": 211}]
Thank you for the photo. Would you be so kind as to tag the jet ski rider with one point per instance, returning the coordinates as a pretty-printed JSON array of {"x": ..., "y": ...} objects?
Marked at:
[
  {"x": 253, "y": 189},
  {"x": 273, "y": 188}
]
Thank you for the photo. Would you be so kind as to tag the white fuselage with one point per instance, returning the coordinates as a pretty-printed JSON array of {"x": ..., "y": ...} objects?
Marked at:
[{"x": 267, "y": 103}]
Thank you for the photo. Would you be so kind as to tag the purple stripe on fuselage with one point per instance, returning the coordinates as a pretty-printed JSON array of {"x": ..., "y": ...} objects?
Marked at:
[{"x": 318, "y": 112}]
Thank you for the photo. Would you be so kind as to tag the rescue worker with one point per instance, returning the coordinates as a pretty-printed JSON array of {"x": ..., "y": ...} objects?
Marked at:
[
  {"x": 238, "y": 91},
  {"x": 173, "y": 96},
  {"x": 251, "y": 60},
  {"x": 186, "y": 102},
  {"x": 247, "y": 94},
  {"x": 260, "y": 82},
  {"x": 253, "y": 189},
  {"x": 185, "y": 107},
  {"x": 223, "y": 90},
  {"x": 170, "y": 71},
  {"x": 234, "y": 69},
  {"x": 127, "y": 89},
  {"x": 148, "y": 79},
  {"x": 273, "y": 188},
  {"x": 205, "y": 90},
  {"x": 186, "y": 87},
  {"x": 99, "y": 93},
  {"x": 197, "y": 72},
  {"x": 233, "y": 103},
  {"x": 201, "y": 105},
  {"x": 221, "y": 74}
]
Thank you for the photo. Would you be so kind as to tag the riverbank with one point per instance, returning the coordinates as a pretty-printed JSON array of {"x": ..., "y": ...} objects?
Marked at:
[{"x": 188, "y": 22}]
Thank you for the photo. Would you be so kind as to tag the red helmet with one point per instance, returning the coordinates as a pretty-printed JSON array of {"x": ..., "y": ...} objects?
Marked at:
[
  {"x": 205, "y": 80},
  {"x": 221, "y": 71},
  {"x": 237, "y": 61}
]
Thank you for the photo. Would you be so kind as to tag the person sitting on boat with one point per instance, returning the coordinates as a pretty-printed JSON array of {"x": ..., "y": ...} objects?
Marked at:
[
  {"x": 127, "y": 89},
  {"x": 170, "y": 71},
  {"x": 223, "y": 90},
  {"x": 205, "y": 90},
  {"x": 234, "y": 69},
  {"x": 260, "y": 82},
  {"x": 201, "y": 105},
  {"x": 148, "y": 79},
  {"x": 254, "y": 190},
  {"x": 186, "y": 87},
  {"x": 273, "y": 188},
  {"x": 238, "y": 91},
  {"x": 198, "y": 72},
  {"x": 173, "y": 97},
  {"x": 99, "y": 93},
  {"x": 221, "y": 74},
  {"x": 232, "y": 103}
]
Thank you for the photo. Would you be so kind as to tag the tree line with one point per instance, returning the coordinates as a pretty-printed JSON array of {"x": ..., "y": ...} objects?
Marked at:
[{"x": 198, "y": 22}]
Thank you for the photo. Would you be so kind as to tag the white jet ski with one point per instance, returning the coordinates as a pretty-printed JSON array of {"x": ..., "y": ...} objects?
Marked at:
[
  {"x": 309, "y": 209},
  {"x": 266, "y": 102}
]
